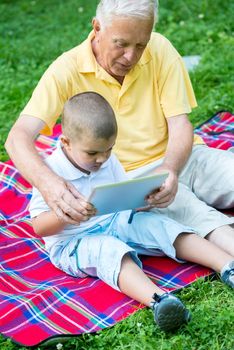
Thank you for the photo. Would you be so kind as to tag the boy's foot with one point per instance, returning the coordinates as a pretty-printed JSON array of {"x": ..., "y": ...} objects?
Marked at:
[
  {"x": 169, "y": 312},
  {"x": 227, "y": 274}
]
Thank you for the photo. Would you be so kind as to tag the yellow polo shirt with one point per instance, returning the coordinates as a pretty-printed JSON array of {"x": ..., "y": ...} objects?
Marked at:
[{"x": 158, "y": 87}]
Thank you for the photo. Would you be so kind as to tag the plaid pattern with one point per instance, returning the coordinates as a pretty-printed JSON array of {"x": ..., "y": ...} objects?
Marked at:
[
  {"x": 38, "y": 301},
  {"x": 218, "y": 131}
]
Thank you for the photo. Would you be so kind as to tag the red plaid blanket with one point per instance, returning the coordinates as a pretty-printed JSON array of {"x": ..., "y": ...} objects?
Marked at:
[
  {"x": 218, "y": 131},
  {"x": 38, "y": 301}
]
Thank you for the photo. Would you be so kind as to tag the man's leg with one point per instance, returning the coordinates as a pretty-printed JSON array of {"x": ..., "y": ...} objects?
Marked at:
[
  {"x": 209, "y": 173},
  {"x": 189, "y": 210},
  {"x": 205, "y": 182}
]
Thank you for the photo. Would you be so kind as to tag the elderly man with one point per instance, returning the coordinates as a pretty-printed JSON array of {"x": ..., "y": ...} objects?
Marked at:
[{"x": 144, "y": 79}]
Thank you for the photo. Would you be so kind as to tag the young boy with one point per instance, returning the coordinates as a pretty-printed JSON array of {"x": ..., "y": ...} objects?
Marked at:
[{"x": 107, "y": 246}]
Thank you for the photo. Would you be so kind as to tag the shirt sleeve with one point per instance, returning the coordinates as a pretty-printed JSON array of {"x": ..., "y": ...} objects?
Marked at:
[
  {"x": 50, "y": 94},
  {"x": 37, "y": 204},
  {"x": 177, "y": 96},
  {"x": 175, "y": 89}
]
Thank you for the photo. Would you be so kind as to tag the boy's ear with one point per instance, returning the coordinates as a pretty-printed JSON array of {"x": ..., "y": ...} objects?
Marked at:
[{"x": 65, "y": 141}]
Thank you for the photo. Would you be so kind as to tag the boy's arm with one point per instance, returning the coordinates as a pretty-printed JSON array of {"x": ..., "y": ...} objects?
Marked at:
[
  {"x": 47, "y": 224},
  {"x": 61, "y": 196}
]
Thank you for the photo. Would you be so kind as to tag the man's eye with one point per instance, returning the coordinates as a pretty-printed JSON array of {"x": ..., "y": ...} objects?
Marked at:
[
  {"x": 121, "y": 45},
  {"x": 141, "y": 47}
]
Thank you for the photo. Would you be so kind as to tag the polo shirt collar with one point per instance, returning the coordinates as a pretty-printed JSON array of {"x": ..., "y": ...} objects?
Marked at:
[
  {"x": 68, "y": 171},
  {"x": 86, "y": 59}
]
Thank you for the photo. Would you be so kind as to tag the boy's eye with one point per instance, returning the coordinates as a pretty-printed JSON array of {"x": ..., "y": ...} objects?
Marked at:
[{"x": 91, "y": 153}]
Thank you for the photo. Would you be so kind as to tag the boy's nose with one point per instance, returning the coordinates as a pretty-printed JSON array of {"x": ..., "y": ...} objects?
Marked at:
[{"x": 102, "y": 158}]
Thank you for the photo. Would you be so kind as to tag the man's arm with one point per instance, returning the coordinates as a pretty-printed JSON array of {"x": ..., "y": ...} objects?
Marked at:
[
  {"x": 68, "y": 204},
  {"x": 180, "y": 142}
]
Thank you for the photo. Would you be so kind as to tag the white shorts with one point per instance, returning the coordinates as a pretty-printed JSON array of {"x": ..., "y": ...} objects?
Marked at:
[
  {"x": 100, "y": 253},
  {"x": 206, "y": 183}
]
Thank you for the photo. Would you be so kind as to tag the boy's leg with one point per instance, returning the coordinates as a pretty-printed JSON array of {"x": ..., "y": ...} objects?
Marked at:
[
  {"x": 133, "y": 282},
  {"x": 117, "y": 264},
  {"x": 223, "y": 237},
  {"x": 169, "y": 311},
  {"x": 152, "y": 233},
  {"x": 193, "y": 248},
  {"x": 196, "y": 249}
]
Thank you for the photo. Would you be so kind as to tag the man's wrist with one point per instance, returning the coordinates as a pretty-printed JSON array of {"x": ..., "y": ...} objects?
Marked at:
[{"x": 168, "y": 166}]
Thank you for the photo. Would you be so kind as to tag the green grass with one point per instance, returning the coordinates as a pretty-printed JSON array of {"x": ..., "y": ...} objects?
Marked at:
[{"x": 32, "y": 35}]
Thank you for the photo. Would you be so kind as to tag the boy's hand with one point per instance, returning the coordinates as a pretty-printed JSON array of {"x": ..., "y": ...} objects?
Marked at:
[{"x": 69, "y": 205}]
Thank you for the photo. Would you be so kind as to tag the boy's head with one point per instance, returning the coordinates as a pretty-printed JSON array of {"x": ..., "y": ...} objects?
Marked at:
[{"x": 89, "y": 130}]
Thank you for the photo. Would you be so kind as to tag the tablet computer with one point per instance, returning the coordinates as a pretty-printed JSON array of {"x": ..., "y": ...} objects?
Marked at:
[{"x": 124, "y": 195}]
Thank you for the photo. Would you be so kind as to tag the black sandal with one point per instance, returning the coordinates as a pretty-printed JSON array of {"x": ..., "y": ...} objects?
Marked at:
[{"x": 169, "y": 312}]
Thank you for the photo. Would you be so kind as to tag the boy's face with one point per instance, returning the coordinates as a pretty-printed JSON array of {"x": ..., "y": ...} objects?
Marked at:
[{"x": 88, "y": 154}]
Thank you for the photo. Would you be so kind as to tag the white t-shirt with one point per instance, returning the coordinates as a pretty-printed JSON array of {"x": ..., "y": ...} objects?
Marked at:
[{"x": 111, "y": 171}]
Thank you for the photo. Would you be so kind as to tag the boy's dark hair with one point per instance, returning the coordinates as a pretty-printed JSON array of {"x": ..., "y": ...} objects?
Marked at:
[{"x": 88, "y": 112}]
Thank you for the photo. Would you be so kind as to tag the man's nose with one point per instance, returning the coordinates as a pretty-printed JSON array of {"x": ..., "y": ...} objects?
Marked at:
[{"x": 130, "y": 55}]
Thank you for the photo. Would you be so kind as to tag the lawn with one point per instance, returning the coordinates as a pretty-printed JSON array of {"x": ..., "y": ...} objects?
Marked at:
[{"x": 32, "y": 34}]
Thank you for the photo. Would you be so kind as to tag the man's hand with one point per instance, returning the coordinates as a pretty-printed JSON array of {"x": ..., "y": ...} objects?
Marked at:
[
  {"x": 69, "y": 205},
  {"x": 179, "y": 147},
  {"x": 165, "y": 195}
]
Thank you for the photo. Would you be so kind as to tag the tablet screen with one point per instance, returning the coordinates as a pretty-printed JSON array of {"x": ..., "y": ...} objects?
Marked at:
[{"x": 125, "y": 195}]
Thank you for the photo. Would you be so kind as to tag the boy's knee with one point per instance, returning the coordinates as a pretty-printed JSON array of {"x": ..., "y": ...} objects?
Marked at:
[{"x": 103, "y": 257}]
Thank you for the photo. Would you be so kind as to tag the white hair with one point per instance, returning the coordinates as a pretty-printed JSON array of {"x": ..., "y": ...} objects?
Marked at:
[{"x": 144, "y": 9}]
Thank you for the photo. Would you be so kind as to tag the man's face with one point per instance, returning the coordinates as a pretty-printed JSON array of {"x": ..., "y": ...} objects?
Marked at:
[
  {"x": 88, "y": 153},
  {"x": 119, "y": 46}
]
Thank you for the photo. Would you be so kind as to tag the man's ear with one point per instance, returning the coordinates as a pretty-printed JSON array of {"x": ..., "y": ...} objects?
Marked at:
[
  {"x": 96, "y": 25},
  {"x": 65, "y": 141}
]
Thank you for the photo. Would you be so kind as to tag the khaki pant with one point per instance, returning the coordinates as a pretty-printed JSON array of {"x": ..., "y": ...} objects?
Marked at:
[{"x": 206, "y": 183}]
